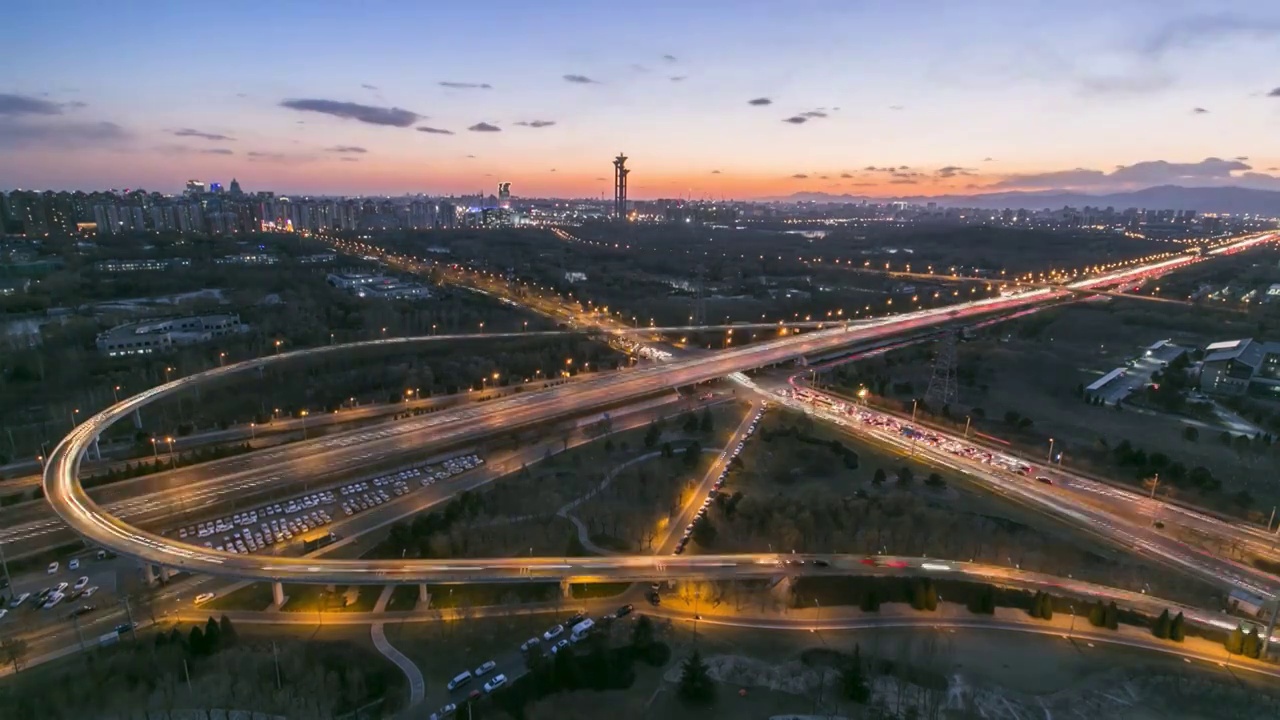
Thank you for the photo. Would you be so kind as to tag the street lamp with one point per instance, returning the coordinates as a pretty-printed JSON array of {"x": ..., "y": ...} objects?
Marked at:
[
  {"x": 304, "y": 415},
  {"x": 1049, "y": 459},
  {"x": 253, "y": 431},
  {"x": 277, "y": 347},
  {"x": 155, "y": 451},
  {"x": 222, "y": 359},
  {"x": 115, "y": 393},
  {"x": 967, "y": 421},
  {"x": 74, "y": 413},
  {"x": 170, "y": 441}
]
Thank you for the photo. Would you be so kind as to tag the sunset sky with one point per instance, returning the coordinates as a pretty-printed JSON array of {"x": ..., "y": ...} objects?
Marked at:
[{"x": 709, "y": 98}]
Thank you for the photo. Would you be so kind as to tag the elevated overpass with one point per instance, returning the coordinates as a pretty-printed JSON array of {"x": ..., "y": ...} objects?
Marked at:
[{"x": 69, "y": 500}]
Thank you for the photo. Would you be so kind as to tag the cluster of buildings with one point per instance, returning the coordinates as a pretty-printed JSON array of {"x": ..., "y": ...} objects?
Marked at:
[
  {"x": 162, "y": 335},
  {"x": 1241, "y": 367},
  {"x": 377, "y": 286}
]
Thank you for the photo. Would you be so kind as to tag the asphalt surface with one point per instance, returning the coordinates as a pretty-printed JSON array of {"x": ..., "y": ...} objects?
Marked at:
[
  {"x": 1117, "y": 515},
  {"x": 108, "y": 530}
]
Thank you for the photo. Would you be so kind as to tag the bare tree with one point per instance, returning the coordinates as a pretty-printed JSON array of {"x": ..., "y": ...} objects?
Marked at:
[{"x": 15, "y": 651}]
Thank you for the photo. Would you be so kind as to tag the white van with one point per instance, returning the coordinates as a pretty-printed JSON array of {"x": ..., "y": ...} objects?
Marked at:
[
  {"x": 581, "y": 630},
  {"x": 460, "y": 679}
]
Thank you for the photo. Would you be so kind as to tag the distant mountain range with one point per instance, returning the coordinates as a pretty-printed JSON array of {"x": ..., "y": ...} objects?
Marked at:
[{"x": 1234, "y": 200}]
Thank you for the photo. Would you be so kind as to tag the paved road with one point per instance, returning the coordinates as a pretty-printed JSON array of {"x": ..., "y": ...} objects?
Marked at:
[
  {"x": 105, "y": 529},
  {"x": 1116, "y": 515},
  {"x": 377, "y": 631}
]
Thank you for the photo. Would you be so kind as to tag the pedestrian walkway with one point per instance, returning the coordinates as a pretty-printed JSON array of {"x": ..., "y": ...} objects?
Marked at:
[{"x": 417, "y": 684}]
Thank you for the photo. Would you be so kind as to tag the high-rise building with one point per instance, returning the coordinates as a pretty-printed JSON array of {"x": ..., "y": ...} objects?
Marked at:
[
  {"x": 235, "y": 187},
  {"x": 504, "y": 194},
  {"x": 195, "y": 187},
  {"x": 620, "y": 172}
]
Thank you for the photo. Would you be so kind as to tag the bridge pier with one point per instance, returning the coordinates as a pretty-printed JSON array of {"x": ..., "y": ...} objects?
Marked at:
[
  {"x": 164, "y": 574},
  {"x": 137, "y": 419},
  {"x": 149, "y": 574},
  {"x": 278, "y": 597},
  {"x": 566, "y": 588},
  {"x": 424, "y": 597}
]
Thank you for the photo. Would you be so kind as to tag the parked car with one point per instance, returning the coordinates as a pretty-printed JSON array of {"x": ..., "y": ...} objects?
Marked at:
[
  {"x": 498, "y": 681},
  {"x": 624, "y": 611},
  {"x": 485, "y": 668},
  {"x": 203, "y": 598},
  {"x": 553, "y": 633}
]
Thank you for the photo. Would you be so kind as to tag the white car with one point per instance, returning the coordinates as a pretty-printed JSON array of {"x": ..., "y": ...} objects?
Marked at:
[
  {"x": 19, "y": 599},
  {"x": 498, "y": 681},
  {"x": 53, "y": 567},
  {"x": 74, "y": 564},
  {"x": 553, "y": 633},
  {"x": 89, "y": 591},
  {"x": 81, "y": 584},
  {"x": 485, "y": 668},
  {"x": 3, "y": 612},
  {"x": 203, "y": 598}
]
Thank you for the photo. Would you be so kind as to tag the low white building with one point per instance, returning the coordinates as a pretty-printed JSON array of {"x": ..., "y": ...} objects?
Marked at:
[{"x": 157, "y": 336}]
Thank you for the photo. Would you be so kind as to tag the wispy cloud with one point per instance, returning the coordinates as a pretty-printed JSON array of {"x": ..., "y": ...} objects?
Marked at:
[
  {"x": 374, "y": 115},
  {"x": 188, "y": 132},
  {"x": 24, "y": 105},
  {"x": 277, "y": 157},
  {"x": 434, "y": 131},
  {"x": 896, "y": 107},
  {"x": 760, "y": 101},
  {"x": 60, "y": 134},
  {"x": 346, "y": 149},
  {"x": 367, "y": 86},
  {"x": 796, "y": 120},
  {"x": 678, "y": 78},
  {"x": 715, "y": 172},
  {"x": 846, "y": 176},
  {"x": 951, "y": 171},
  {"x": 669, "y": 58},
  {"x": 814, "y": 114},
  {"x": 484, "y": 127},
  {"x": 464, "y": 85},
  {"x": 799, "y": 176},
  {"x": 537, "y": 123},
  {"x": 349, "y": 159},
  {"x": 1198, "y": 30},
  {"x": 217, "y": 151},
  {"x": 580, "y": 79},
  {"x": 1199, "y": 111}
]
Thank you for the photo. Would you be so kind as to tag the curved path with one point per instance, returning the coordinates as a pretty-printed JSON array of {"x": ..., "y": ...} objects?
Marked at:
[
  {"x": 377, "y": 631},
  {"x": 70, "y": 501}
]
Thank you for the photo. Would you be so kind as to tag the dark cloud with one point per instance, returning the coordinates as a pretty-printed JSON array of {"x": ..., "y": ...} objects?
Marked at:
[
  {"x": 349, "y": 149},
  {"x": 823, "y": 177},
  {"x": 367, "y": 86},
  {"x": 906, "y": 175},
  {"x": 24, "y": 105},
  {"x": 242, "y": 95},
  {"x": 799, "y": 176},
  {"x": 434, "y": 131},
  {"x": 580, "y": 79},
  {"x": 218, "y": 151},
  {"x": 796, "y": 120},
  {"x": 902, "y": 181},
  {"x": 188, "y": 132},
  {"x": 678, "y": 78},
  {"x": 760, "y": 101},
  {"x": 393, "y": 116},
  {"x": 1199, "y": 111},
  {"x": 669, "y": 58},
  {"x": 715, "y": 172},
  {"x": 952, "y": 170},
  {"x": 1274, "y": 93},
  {"x": 63, "y": 134},
  {"x": 903, "y": 167},
  {"x": 484, "y": 127},
  {"x": 465, "y": 85},
  {"x": 537, "y": 123},
  {"x": 471, "y": 157},
  {"x": 846, "y": 176},
  {"x": 257, "y": 156},
  {"x": 987, "y": 159},
  {"x": 814, "y": 114},
  {"x": 1198, "y": 30},
  {"x": 552, "y": 170},
  {"x": 1242, "y": 158},
  {"x": 1208, "y": 172}
]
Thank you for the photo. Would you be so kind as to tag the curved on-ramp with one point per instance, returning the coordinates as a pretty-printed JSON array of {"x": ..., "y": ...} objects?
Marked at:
[{"x": 70, "y": 501}]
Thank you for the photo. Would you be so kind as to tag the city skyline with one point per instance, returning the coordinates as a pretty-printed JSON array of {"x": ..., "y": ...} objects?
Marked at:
[{"x": 738, "y": 100}]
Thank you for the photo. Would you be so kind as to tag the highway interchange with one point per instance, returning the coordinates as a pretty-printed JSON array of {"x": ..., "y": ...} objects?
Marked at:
[
  {"x": 340, "y": 455},
  {"x": 105, "y": 529}
]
